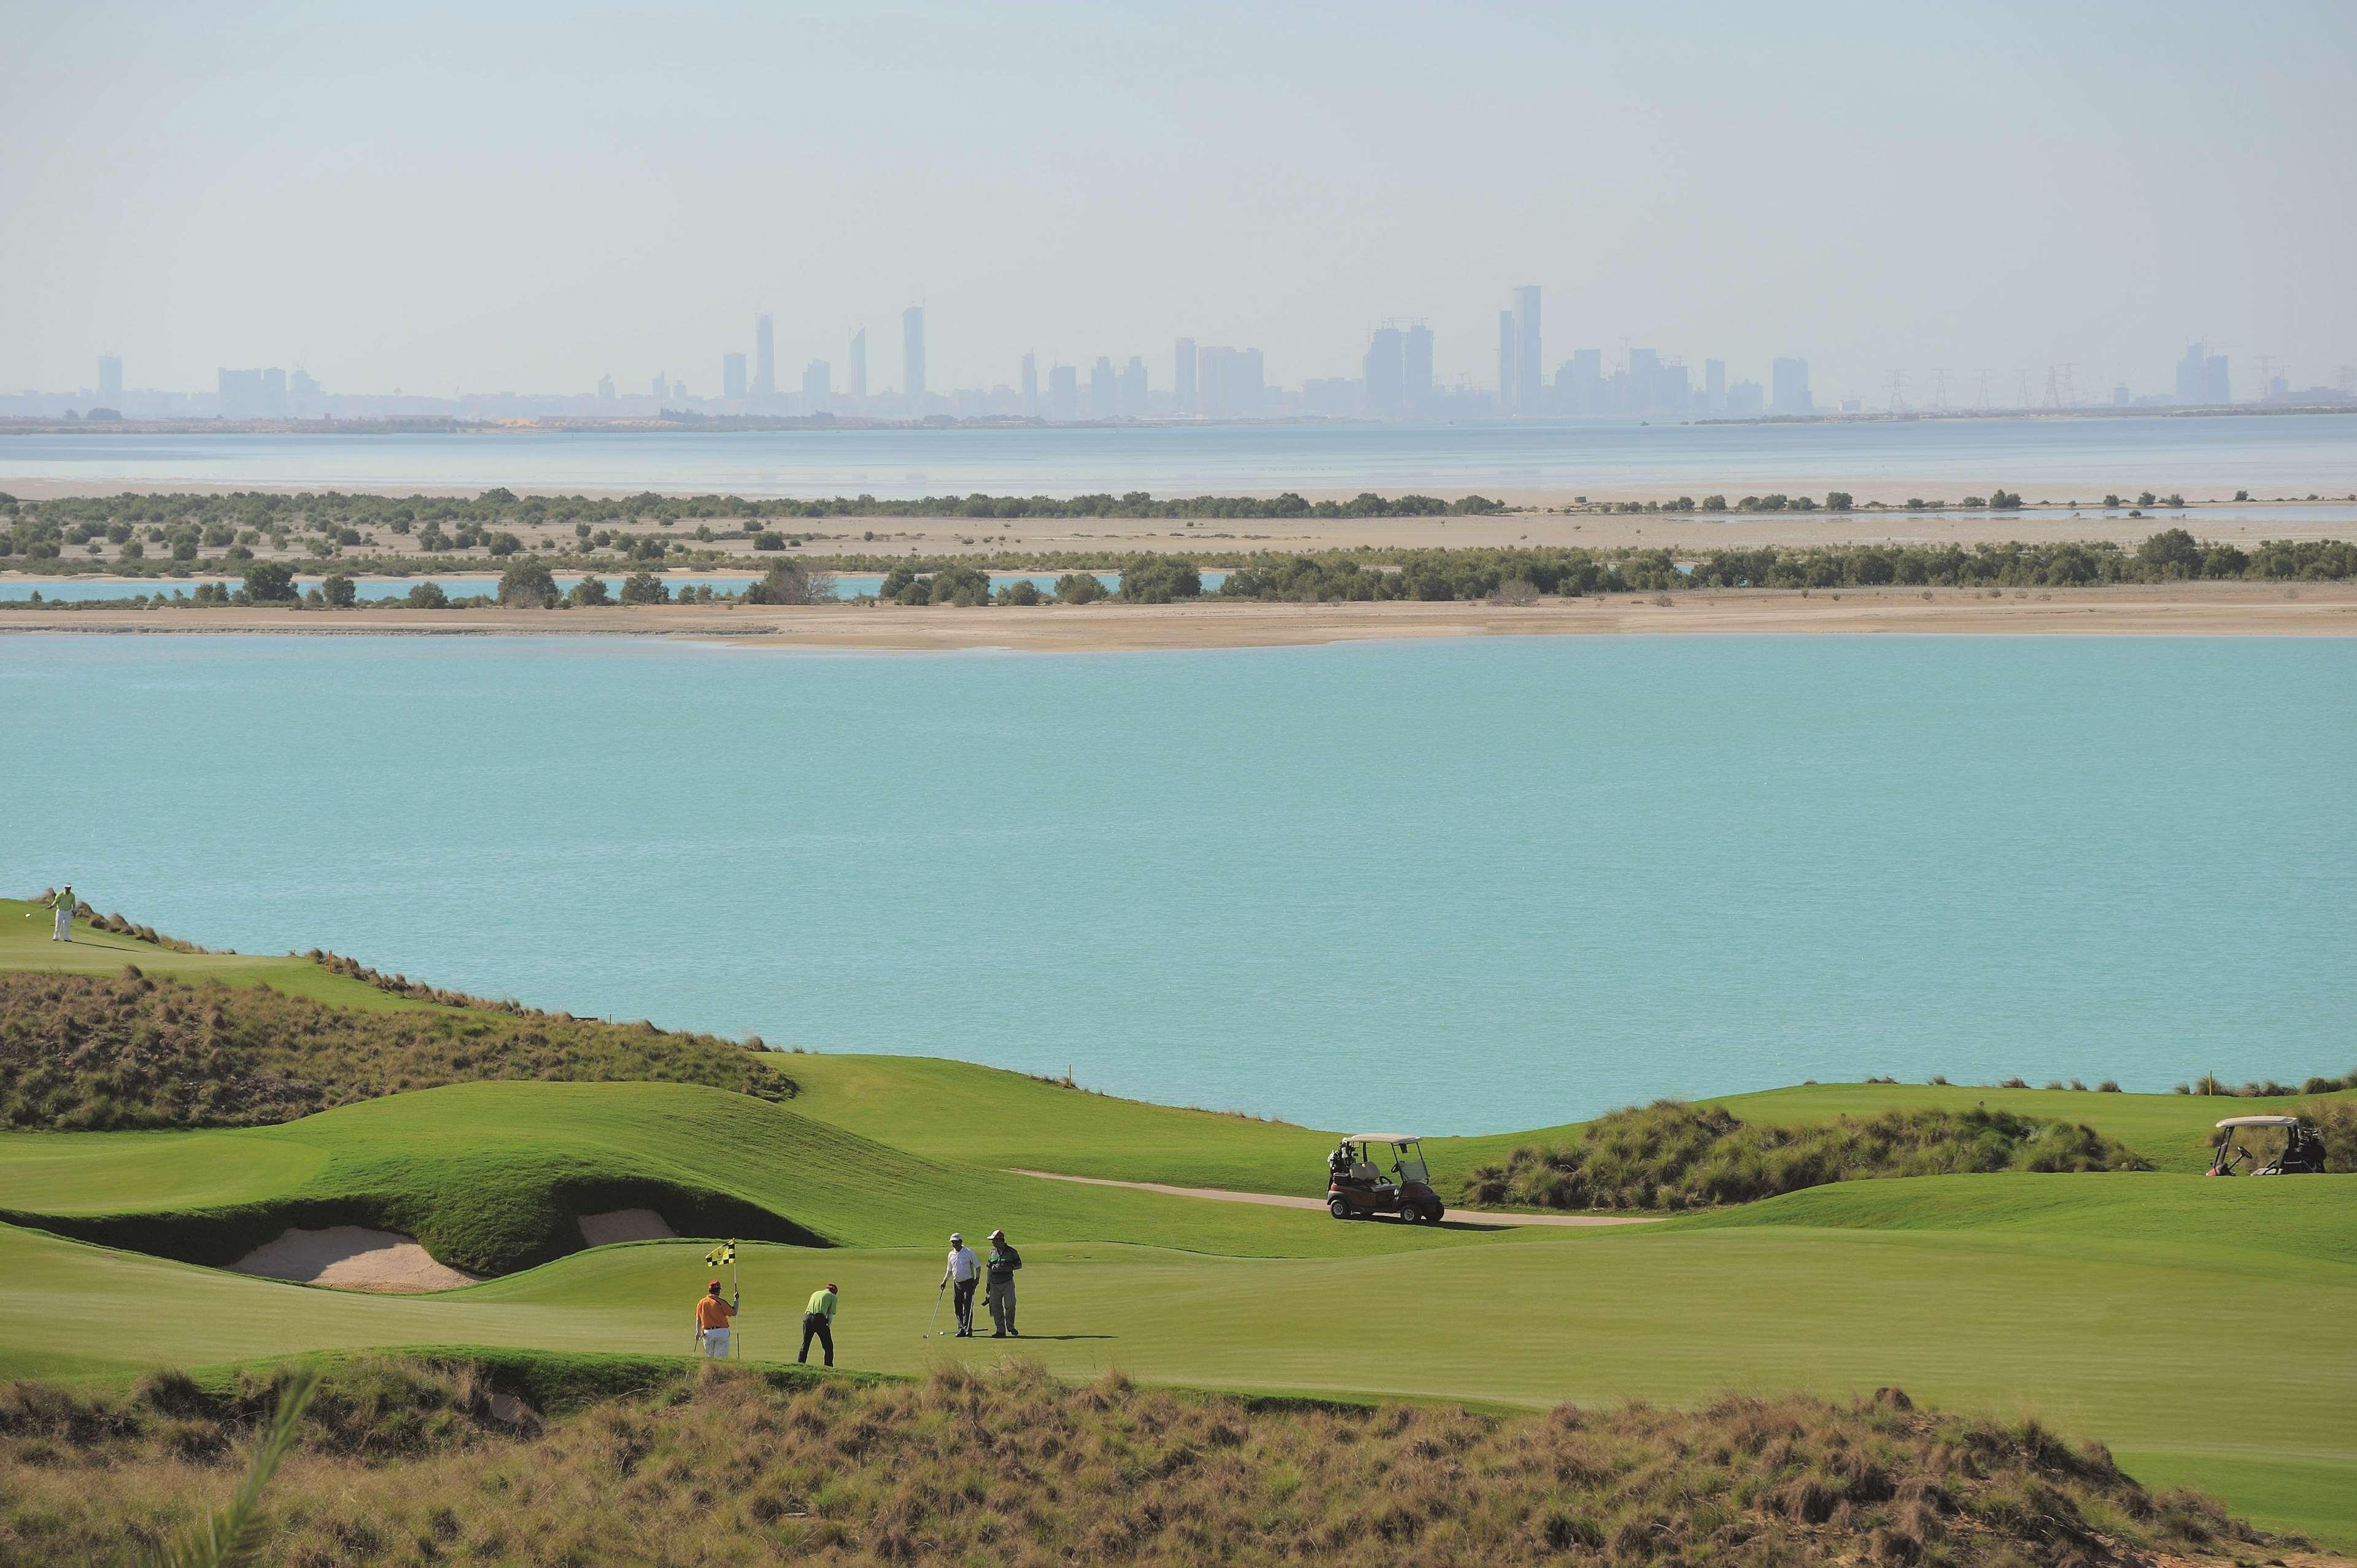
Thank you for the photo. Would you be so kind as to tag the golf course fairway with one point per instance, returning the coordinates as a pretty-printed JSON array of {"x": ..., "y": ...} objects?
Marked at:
[{"x": 2198, "y": 1327}]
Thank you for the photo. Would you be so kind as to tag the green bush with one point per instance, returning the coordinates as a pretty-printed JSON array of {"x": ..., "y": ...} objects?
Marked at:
[
  {"x": 590, "y": 591},
  {"x": 428, "y": 597},
  {"x": 529, "y": 585},
  {"x": 645, "y": 588},
  {"x": 1021, "y": 591},
  {"x": 340, "y": 592},
  {"x": 1079, "y": 588},
  {"x": 1673, "y": 1155},
  {"x": 1159, "y": 579},
  {"x": 268, "y": 583}
]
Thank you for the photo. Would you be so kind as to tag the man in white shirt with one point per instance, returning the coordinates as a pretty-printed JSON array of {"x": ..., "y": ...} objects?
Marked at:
[{"x": 964, "y": 1272}]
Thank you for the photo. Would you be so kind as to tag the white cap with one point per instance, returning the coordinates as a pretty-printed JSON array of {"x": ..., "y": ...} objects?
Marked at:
[{"x": 956, "y": 1238}]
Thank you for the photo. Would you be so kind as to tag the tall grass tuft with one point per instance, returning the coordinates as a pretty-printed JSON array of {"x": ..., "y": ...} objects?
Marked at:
[{"x": 234, "y": 1536}]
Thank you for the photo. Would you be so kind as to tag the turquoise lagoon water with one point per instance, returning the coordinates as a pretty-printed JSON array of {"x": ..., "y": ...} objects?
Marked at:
[
  {"x": 1466, "y": 886},
  {"x": 2209, "y": 456}
]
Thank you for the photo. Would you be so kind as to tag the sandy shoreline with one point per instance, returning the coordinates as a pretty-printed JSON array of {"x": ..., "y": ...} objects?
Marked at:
[{"x": 2194, "y": 609}]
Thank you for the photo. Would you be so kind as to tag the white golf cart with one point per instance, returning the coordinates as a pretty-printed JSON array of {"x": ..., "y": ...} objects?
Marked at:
[{"x": 2302, "y": 1153}]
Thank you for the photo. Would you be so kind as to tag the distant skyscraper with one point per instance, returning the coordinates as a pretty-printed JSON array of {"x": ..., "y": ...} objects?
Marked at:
[
  {"x": 1579, "y": 385},
  {"x": 732, "y": 375},
  {"x": 1063, "y": 393},
  {"x": 2202, "y": 377},
  {"x": 253, "y": 394},
  {"x": 1182, "y": 377},
  {"x": 1416, "y": 366},
  {"x": 1508, "y": 378},
  {"x": 1030, "y": 385},
  {"x": 1788, "y": 387},
  {"x": 858, "y": 369},
  {"x": 303, "y": 395},
  {"x": 1529, "y": 361},
  {"x": 110, "y": 380},
  {"x": 765, "y": 357},
  {"x": 1104, "y": 390},
  {"x": 663, "y": 386},
  {"x": 1385, "y": 372},
  {"x": 1644, "y": 381},
  {"x": 1713, "y": 384},
  {"x": 605, "y": 387},
  {"x": 912, "y": 357},
  {"x": 1229, "y": 384},
  {"x": 1133, "y": 388},
  {"x": 818, "y": 387}
]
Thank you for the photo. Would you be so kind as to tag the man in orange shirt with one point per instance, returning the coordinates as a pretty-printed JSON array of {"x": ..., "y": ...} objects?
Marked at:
[{"x": 711, "y": 1315}]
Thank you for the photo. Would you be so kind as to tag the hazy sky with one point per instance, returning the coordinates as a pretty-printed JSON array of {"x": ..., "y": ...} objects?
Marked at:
[{"x": 521, "y": 196}]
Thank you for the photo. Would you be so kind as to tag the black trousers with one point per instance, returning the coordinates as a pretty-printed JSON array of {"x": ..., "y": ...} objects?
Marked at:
[
  {"x": 814, "y": 1327},
  {"x": 961, "y": 1301}
]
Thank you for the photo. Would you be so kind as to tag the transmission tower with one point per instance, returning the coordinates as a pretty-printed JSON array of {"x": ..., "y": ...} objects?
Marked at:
[
  {"x": 2266, "y": 375},
  {"x": 2069, "y": 392},
  {"x": 1898, "y": 392},
  {"x": 2053, "y": 389},
  {"x": 1939, "y": 388}
]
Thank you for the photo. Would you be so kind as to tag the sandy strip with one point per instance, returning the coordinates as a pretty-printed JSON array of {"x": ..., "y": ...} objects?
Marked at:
[
  {"x": 351, "y": 1257},
  {"x": 625, "y": 1225},
  {"x": 1275, "y": 1200},
  {"x": 2189, "y": 609}
]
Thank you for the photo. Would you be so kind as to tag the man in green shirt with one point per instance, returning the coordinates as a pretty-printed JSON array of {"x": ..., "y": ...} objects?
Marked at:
[
  {"x": 818, "y": 1322},
  {"x": 64, "y": 905},
  {"x": 998, "y": 1288}
]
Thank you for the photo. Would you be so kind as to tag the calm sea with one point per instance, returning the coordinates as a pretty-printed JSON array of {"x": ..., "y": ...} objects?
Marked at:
[
  {"x": 1466, "y": 886},
  {"x": 2053, "y": 458}
]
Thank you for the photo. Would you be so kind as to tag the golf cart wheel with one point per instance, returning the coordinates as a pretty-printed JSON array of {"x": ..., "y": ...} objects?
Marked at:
[
  {"x": 1338, "y": 1208},
  {"x": 1432, "y": 1213}
]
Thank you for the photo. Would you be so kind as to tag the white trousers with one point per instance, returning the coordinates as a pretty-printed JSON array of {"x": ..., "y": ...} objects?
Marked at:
[
  {"x": 65, "y": 926},
  {"x": 716, "y": 1342}
]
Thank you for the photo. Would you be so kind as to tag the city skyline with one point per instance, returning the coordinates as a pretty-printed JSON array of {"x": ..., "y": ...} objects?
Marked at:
[{"x": 348, "y": 193}]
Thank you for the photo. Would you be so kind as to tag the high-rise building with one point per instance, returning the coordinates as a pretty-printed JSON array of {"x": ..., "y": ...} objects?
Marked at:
[
  {"x": 818, "y": 387},
  {"x": 1229, "y": 384},
  {"x": 912, "y": 357},
  {"x": 1182, "y": 378},
  {"x": 1416, "y": 367},
  {"x": 2202, "y": 377},
  {"x": 1063, "y": 394},
  {"x": 605, "y": 387},
  {"x": 732, "y": 375},
  {"x": 1509, "y": 378},
  {"x": 110, "y": 380},
  {"x": 253, "y": 394},
  {"x": 856, "y": 372},
  {"x": 1133, "y": 388},
  {"x": 1030, "y": 385},
  {"x": 305, "y": 396},
  {"x": 765, "y": 357},
  {"x": 1644, "y": 381},
  {"x": 1104, "y": 390},
  {"x": 1385, "y": 369},
  {"x": 1713, "y": 385},
  {"x": 1529, "y": 361},
  {"x": 1579, "y": 385},
  {"x": 663, "y": 386},
  {"x": 1788, "y": 387}
]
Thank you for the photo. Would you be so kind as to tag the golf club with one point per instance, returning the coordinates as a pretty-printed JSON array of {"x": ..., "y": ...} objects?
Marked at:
[{"x": 936, "y": 1317}]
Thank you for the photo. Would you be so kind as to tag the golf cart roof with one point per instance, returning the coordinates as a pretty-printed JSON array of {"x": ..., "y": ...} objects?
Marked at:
[
  {"x": 1381, "y": 1138},
  {"x": 2260, "y": 1122}
]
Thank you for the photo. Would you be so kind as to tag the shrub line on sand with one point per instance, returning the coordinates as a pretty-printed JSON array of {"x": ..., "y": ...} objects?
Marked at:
[
  {"x": 1673, "y": 1155},
  {"x": 437, "y": 1456}
]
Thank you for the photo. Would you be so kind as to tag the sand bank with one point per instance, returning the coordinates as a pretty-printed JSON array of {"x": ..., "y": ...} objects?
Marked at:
[
  {"x": 352, "y": 1258},
  {"x": 2191, "y": 609},
  {"x": 625, "y": 1225}
]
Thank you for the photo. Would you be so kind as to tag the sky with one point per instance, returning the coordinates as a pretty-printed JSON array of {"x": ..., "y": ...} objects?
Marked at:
[{"x": 523, "y": 197}]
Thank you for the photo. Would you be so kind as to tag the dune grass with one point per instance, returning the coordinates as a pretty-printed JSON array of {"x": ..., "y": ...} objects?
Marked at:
[{"x": 411, "y": 1460}]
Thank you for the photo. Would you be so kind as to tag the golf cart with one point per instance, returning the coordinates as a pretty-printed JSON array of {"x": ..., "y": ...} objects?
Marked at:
[
  {"x": 1357, "y": 1185},
  {"x": 2302, "y": 1154}
]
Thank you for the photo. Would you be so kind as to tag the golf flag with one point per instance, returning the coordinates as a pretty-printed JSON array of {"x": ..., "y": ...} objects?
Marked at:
[{"x": 724, "y": 1253}]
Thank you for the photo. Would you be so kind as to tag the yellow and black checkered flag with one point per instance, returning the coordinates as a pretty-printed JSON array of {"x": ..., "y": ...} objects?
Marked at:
[{"x": 724, "y": 1253}]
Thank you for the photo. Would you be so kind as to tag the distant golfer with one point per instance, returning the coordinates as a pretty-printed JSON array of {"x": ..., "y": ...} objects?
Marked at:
[
  {"x": 1000, "y": 1291},
  {"x": 64, "y": 905},
  {"x": 711, "y": 1315},
  {"x": 818, "y": 1322},
  {"x": 964, "y": 1272}
]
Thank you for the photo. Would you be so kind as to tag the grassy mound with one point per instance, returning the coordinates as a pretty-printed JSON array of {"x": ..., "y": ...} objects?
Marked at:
[
  {"x": 84, "y": 1053},
  {"x": 422, "y": 1461},
  {"x": 1673, "y": 1155}
]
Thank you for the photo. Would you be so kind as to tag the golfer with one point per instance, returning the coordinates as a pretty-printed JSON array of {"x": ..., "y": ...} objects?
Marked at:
[
  {"x": 818, "y": 1321},
  {"x": 711, "y": 1315},
  {"x": 964, "y": 1272},
  {"x": 1000, "y": 1292},
  {"x": 64, "y": 905}
]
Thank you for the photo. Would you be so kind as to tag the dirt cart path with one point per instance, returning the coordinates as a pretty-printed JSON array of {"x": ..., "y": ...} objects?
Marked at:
[{"x": 1276, "y": 1200}]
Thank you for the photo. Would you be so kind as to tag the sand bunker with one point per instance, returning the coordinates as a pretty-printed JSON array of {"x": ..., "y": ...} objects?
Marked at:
[
  {"x": 625, "y": 1225},
  {"x": 351, "y": 1257}
]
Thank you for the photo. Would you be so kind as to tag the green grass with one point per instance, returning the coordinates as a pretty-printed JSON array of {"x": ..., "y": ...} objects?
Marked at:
[
  {"x": 25, "y": 944},
  {"x": 2141, "y": 1341},
  {"x": 490, "y": 1175}
]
